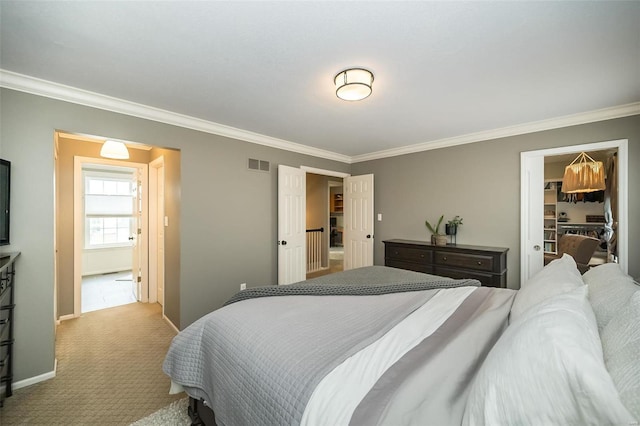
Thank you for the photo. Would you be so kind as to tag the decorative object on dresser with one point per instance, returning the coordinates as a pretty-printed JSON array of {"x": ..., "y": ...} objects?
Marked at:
[
  {"x": 451, "y": 228},
  {"x": 7, "y": 284},
  {"x": 486, "y": 264},
  {"x": 436, "y": 237}
]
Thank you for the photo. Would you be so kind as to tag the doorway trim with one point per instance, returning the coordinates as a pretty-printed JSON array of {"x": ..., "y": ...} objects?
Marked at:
[
  {"x": 623, "y": 196},
  {"x": 78, "y": 226},
  {"x": 156, "y": 221},
  {"x": 324, "y": 172}
]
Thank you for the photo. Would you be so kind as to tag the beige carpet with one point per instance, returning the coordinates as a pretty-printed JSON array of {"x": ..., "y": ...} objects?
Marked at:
[{"x": 109, "y": 372}]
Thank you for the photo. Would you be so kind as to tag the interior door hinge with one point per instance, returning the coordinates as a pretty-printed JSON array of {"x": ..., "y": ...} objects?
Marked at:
[
  {"x": 139, "y": 279},
  {"x": 139, "y": 231}
]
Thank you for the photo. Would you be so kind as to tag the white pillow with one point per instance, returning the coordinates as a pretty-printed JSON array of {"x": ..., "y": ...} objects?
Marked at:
[
  {"x": 602, "y": 273},
  {"x": 547, "y": 369},
  {"x": 609, "y": 291},
  {"x": 621, "y": 345},
  {"x": 559, "y": 276}
]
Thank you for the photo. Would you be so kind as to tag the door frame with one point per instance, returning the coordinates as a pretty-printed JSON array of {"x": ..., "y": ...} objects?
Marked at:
[
  {"x": 154, "y": 225},
  {"x": 78, "y": 226},
  {"x": 623, "y": 195}
]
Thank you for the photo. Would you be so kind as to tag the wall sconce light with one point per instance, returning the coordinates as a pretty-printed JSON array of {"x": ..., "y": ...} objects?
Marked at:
[
  {"x": 584, "y": 174},
  {"x": 353, "y": 84},
  {"x": 115, "y": 150}
]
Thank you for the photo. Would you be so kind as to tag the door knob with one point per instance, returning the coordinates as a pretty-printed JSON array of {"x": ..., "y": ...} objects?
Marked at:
[
  {"x": 368, "y": 235},
  {"x": 536, "y": 247},
  {"x": 130, "y": 238},
  {"x": 284, "y": 243}
]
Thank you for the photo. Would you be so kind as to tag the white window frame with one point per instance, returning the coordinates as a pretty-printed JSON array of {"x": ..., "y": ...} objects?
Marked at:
[{"x": 104, "y": 175}]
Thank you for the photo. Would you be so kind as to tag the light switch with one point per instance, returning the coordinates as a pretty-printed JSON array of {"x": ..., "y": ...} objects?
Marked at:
[
  {"x": 166, "y": 221},
  {"x": 379, "y": 217}
]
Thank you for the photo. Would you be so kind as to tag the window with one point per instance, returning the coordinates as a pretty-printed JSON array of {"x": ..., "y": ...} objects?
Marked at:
[{"x": 109, "y": 199}]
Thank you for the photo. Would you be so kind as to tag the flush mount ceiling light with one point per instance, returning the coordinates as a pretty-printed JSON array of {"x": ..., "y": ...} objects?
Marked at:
[
  {"x": 353, "y": 84},
  {"x": 584, "y": 174},
  {"x": 115, "y": 150}
]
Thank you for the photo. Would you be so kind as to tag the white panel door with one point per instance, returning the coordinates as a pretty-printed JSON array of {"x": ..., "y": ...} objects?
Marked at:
[
  {"x": 358, "y": 221},
  {"x": 292, "y": 198},
  {"x": 532, "y": 215}
]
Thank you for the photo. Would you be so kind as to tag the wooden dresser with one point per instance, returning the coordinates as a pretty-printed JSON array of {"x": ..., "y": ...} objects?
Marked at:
[
  {"x": 486, "y": 264},
  {"x": 7, "y": 283}
]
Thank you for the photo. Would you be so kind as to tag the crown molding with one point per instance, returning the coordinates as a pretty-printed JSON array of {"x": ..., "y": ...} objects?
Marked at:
[
  {"x": 521, "y": 129},
  {"x": 36, "y": 86}
]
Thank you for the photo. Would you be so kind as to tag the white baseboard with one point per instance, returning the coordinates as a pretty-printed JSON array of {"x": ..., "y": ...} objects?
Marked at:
[
  {"x": 171, "y": 324},
  {"x": 65, "y": 317},
  {"x": 37, "y": 379}
]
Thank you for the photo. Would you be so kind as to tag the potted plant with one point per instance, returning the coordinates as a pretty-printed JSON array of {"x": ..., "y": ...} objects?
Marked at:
[
  {"x": 437, "y": 238},
  {"x": 451, "y": 228}
]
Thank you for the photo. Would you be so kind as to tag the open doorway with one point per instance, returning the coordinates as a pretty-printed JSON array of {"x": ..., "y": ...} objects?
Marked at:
[
  {"x": 109, "y": 224},
  {"x": 293, "y": 253},
  {"x": 336, "y": 226},
  {"x": 537, "y": 211},
  {"x": 324, "y": 225},
  {"x": 590, "y": 214},
  {"x": 159, "y": 254}
]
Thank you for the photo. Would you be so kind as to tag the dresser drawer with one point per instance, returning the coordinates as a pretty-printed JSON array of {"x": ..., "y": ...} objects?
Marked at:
[
  {"x": 410, "y": 266},
  {"x": 464, "y": 260},
  {"x": 486, "y": 279},
  {"x": 409, "y": 254}
]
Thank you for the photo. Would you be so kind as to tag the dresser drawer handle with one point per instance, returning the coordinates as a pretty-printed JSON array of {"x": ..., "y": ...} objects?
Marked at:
[
  {"x": 444, "y": 258},
  {"x": 422, "y": 256},
  {"x": 479, "y": 262},
  {"x": 395, "y": 252}
]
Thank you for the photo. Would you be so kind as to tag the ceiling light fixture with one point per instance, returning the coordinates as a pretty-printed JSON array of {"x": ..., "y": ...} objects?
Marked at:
[
  {"x": 115, "y": 150},
  {"x": 584, "y": 174},
  {"x": 353, "y": 84}
]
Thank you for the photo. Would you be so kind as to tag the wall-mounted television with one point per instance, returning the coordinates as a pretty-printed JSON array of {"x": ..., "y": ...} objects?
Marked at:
[{"x": 5, "y": 185}]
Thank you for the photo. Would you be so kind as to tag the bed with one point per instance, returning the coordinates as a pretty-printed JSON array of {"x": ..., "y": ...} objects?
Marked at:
[{"x": 384, "y": 346}]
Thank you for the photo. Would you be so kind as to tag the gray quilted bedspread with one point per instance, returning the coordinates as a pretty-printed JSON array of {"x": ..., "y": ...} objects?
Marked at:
[
  {"x": 372, "y": 280},
  {"x": 254, "y": 367}
]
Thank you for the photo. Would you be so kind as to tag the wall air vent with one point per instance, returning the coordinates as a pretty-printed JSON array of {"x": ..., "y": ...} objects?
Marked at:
[{"x": 259, "y": 165}]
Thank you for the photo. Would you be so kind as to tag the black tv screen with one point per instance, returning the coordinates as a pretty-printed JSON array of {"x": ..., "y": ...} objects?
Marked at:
[{"x": 5, "y": 185}]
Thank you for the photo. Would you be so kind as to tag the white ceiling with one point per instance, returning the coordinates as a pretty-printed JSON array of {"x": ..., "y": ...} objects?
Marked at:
[{"x": 442, "y": 69}]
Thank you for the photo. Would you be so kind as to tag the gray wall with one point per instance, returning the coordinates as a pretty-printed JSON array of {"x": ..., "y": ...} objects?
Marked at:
[
  {"x": 228, "y": 214},
  {"x": 481, "y": 183}
]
